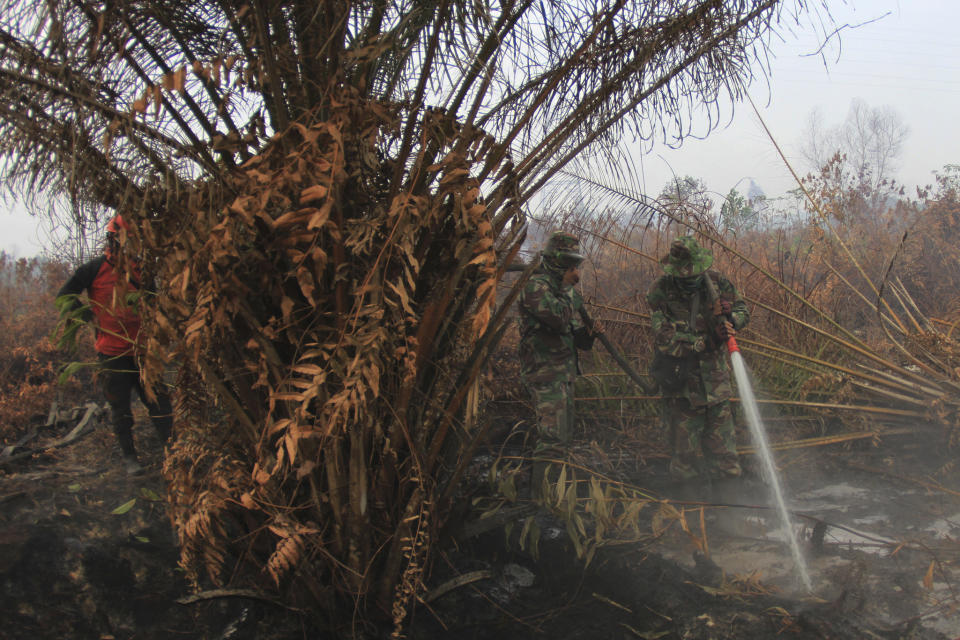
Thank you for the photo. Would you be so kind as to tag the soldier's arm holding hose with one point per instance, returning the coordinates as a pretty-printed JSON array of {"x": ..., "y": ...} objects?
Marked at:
[{"x": 729, "y": 309}]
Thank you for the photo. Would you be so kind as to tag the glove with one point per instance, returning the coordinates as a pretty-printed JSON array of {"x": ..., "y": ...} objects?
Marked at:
[
  {"x": 724, "y": 331},
  {"x": 722, "y": 307}
]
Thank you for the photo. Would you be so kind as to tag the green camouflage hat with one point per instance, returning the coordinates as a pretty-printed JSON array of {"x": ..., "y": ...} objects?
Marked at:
[
  {"x": 563, "y": 249},
  {"x": 686, "y": 258}
]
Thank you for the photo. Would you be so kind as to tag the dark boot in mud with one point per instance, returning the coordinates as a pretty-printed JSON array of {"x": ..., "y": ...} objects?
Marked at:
[{"x": 688, "y": 482}]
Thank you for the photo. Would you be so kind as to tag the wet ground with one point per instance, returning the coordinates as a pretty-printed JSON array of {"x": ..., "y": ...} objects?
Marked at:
[
  {"x": 879, "y": 529},
  {"x": 87, "y": 552}
]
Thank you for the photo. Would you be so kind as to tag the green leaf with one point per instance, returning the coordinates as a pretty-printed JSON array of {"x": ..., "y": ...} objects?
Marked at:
[
  {"x": 72, "y": 368},
  {"x": 492, "y": 473},
  {"x": 150, "y": 494},
  {"x": 646, "y": 635},
  {"x": 561, "y": 483},
  {"x": 525, "y": 532},
  {"x": 492, "y": 511},
  {"x": 74, "y": 313},
  {"x": 76, "y": 486},
  {"x": 132, "y": 299},
  {"x": 574, "y": 538},
  {"x": 535, "y": 540},
  {"x": 588, "y": 556},
  {"x": 507, "y": 488},
  {"x": 143, "y": 539},
  {"x": 126, "y": 506}
]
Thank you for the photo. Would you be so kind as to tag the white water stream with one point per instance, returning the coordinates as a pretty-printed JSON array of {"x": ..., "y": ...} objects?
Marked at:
[{"x": 759, "y": 435}]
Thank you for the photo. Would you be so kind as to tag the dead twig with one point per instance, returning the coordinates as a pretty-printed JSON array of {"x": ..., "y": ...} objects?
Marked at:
[
  {"x": 55, "y": 416},
  {"x": 497, "y": 520},
  {"x": 11, "y": 496},
  {"x": 214, "y": 594},
  {"x": 456, "y": 583},
  {"x": 78, "y": 432}
]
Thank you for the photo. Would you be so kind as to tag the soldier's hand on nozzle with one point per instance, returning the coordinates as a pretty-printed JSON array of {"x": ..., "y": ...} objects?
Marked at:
[
  {"x": 597, "y": 328},
  {"x": 722, "y": 307},
  {"x": 725, "y": 330}
]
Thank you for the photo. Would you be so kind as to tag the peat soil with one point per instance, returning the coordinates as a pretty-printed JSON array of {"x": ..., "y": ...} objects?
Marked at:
[{"x": 87, "y": 551}]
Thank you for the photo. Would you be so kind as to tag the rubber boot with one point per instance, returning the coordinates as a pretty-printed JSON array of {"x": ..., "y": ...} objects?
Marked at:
[
  {"x": 131, "y": 465},
  {"x": 125, "y": 439},
  {"x": 163, "y": 428},
  {"x": 161, "y": 414}
]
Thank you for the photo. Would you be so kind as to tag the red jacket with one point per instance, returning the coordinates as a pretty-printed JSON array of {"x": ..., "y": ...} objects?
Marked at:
[{"x": 117, "y": 324}]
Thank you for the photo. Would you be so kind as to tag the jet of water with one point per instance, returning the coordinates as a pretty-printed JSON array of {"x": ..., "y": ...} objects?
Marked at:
[{"x": 759, "y": 435}]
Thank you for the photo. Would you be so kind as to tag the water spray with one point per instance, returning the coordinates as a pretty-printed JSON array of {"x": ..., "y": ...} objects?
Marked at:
[{"x": 759, "y": 434}]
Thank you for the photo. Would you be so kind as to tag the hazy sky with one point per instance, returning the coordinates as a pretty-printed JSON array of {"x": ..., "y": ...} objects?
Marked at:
[{"x": 905, "y": 54}]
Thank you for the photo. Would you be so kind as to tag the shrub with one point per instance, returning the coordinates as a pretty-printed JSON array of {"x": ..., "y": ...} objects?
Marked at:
[{"x": 29, "y": 360}]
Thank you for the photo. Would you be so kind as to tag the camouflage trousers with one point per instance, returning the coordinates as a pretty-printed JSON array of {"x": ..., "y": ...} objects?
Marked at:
[
  {"x": 701, "y": 431},
  {"x": 553, "y": 404}
]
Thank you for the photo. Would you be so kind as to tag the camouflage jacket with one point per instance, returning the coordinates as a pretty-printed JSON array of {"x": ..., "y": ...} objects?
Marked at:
[
  {"x": 551, "y": 329},
  {"x": 683, "y": 327}
]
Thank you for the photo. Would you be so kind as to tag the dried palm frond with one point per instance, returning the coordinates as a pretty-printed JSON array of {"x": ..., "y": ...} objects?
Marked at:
[{"x": 326, "y": 194}]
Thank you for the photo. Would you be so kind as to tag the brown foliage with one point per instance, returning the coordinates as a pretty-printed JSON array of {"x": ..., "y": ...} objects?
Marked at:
[
  {"x": 29, "y": 361},
  {"x": 337, "y": 319},
  {"x": 327, "y": 265}
]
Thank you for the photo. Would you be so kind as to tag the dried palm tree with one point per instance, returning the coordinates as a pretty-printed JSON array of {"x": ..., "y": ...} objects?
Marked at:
[{"x": 326, "y": 193}]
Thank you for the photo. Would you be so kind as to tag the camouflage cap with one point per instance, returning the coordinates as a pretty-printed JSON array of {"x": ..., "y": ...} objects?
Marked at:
[
  {"x": 563, "y": 249},
  {"x": 686, "y": 258}
]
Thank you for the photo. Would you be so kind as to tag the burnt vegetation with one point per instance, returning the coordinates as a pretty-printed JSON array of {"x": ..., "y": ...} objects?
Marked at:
[{"x": 328, "y": 194}]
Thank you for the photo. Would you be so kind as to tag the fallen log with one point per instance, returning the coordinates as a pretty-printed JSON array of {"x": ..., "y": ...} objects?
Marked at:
[{"x": 83, "y": 428}]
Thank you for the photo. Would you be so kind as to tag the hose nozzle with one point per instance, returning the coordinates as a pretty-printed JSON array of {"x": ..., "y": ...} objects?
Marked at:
[{"x": 732, "y": 345}]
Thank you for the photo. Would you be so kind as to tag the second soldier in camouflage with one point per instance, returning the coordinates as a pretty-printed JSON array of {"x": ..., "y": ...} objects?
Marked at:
[
  {"x": 690, "y": 363},
  {"x": 551, "y": 331}
]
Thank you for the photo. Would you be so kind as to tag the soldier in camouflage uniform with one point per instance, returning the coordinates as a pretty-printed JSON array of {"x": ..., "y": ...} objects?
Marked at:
[
  {"x": 551, "y": 331},
  {"x": 690, "y": 360}
]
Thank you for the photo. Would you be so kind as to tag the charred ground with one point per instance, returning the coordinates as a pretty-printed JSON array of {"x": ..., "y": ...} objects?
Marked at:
[{"x": 88, "y": 552}]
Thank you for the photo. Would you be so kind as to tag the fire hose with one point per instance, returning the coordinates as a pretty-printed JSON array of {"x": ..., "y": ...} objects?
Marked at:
[
  {"x": 611, "y": 348},
  {"x": 617, "y": 355},
  {"x": 732, "y": 346}
]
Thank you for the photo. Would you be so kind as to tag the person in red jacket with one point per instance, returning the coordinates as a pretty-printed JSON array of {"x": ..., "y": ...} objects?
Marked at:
[{"x": 118, "y": 347}]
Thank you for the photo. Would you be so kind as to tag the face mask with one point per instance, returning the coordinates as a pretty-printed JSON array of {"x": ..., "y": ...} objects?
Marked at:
[
  {"x": 557, "y": 266},
  {"x": 689, "y": 284}
]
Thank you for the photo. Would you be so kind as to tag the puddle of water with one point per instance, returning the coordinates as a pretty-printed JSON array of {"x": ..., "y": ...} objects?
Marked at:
[
  {"x": 867, "y": 521},
  {"x": 833, "y": 498},
  {"x": 746, "y": 541},
  {"x": 836, "y": 536},
  {"x": 835, "y": 492},
  {"x": 765, "y": 528},
  {"x": 945, "y": 527},
  {"x": 946, "y": 625}
]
